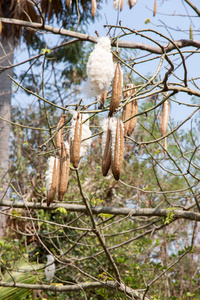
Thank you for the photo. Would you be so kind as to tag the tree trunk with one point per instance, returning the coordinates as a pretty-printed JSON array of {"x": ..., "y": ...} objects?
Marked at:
[{"x": 6, "y": 59}]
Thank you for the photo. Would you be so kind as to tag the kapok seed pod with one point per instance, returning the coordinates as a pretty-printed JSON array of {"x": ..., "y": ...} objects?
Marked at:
[
  {"x": 102, "y": 99},
  {"x": 75, "y": 142},
  {"x": 128, "y": 108},
  {"x": 116, "y": 89},
  {"x": 118, "y": 149},
  {"x": 54, "y": 184},
  {"x": 68, "y": 3},
  {"x": 132, "y": 3},
  {"x": 121, "y": 5},
  {"x": 59, "y": 134},
  {"x": 94, "y": 8},
  {"x": 64, "y": 171},
  {"x": 106, "y": 160},
  {"x": 164, "y": 119},
  {"x": 133, "y": 121}
]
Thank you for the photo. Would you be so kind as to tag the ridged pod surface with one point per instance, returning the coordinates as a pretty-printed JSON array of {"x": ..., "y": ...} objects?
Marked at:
[
  {"x": 130, "y": 109},
  {"x": 164, "y": 119},
  {"x": 116, "y": 89},
  {"x": 52, "y": 178},
  {"x": 106, "y": 148},
  {"x": 75, "y": 142},
  {"x": 59, "y": 134},
  {"x": 64, "y": 170},
  {"x": 117, "y": 146}
]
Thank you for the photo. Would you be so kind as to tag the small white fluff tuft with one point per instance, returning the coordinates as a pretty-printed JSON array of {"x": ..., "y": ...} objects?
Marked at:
[
  {"x": 50, "y": 268},
  {"x": 116, "y": 4},
  {"x": 100, "y": 69},
  {"x": 104, "y": 125},
  {"x": 67, "y": 145},
  {"x": 49, "y": 173},
  {"x": 113, "y": 126}
]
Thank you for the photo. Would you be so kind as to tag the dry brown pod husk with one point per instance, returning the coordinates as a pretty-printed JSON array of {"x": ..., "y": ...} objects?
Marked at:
[
  {"x": 164, "y": 120},
  {"x": 102, "y": 99},
  {"x": 75, "y": 142},
  {"x": 129, "y": 110},
  {"x": 54, "y": 185},
  {"x": 121, "y": 5},
  {"x": 132, "y": 3},
  {"x": 59, "y": 134},
  {"x": 117, "y": 147},
  {"x": 106, "y": 160},
  {"x": 116, "y": 90},
  {"x": 133, "y": 121},
  {"x": 64, "y": 171},
  {"x": 68, "y": 3},
  {"x": 94, "y": 8}
]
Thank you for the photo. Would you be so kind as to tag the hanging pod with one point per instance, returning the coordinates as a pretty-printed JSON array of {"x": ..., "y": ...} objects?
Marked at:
[
  {"x": 130, "y": 109},
  {"x": 117, "y": 146},
  {"x": 94, "y": 8},
  {"x": 116, "y": 89},
  {"x": 64, "y": 170},
  {"x": 52, "y": 178},
  {"x": 106, "y": 147},
  {"x": 75, "y": 141},
  {"x": 132, "y": 3},
  {"x": 59, "y": 134},
  {"x": 101, "y": 99},
  {"x": 164, "y": 119}
]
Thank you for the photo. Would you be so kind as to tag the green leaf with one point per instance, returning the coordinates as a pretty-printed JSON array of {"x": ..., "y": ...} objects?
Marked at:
[
  {"x": 44, "y": 51},
  {"x": 62, "y": 210}
]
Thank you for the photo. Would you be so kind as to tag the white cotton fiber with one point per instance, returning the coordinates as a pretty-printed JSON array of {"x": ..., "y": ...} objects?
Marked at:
[
  {"x": 113, "y": 126},
  {"x": 49, "y": 172},
  {"x": 100, "y": 68},
  {"x": 116, "y": 4}
]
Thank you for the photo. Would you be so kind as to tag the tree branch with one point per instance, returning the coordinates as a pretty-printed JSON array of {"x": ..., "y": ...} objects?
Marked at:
[
  {"x": 77, "y": 287},
  {"x": 148, "y": 212},
  {"x": 122, "y": 44}
]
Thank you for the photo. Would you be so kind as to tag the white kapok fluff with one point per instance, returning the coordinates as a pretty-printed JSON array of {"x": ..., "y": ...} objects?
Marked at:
[
  {"x": 50, "y": 268},
  {"x": 100, "y": 69},
  {"x": 49, "y": 172}
]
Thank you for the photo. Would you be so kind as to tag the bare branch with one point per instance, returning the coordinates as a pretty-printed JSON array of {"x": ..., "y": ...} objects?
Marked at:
[{"x": 148, "y": 212}]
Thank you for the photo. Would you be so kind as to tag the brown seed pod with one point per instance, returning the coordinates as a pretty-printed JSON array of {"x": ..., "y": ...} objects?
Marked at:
[
  {"x": 64, "y": 171},
  {"x": 155, "y": 8},
  {"x": 116, "y": 89},
  {"x": 164, "y": 119},
  {"x": 94, "y": 8},
  {"x": 75, "y": 142},
  {"x": 68, "y": 3},
  {"x": 132, "y": 3},
  {"x": 117, "y": 148},
  {"x": 59, "y": 134},
  {"x": 106, "y": 160},
  {"x": 133, "y": 121},
  {"x": 54, "y": 184},
  {"x": 102, "y": 99},
  {"x": 121, "y": 5},
  {"x": 129, "y": 110}
]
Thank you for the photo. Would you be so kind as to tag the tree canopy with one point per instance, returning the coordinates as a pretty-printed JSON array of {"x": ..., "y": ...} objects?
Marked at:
[{"x": 104, "y": 153}]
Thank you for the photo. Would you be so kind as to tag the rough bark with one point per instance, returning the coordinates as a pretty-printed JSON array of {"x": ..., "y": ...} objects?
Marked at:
[{"x": 6, "y": 59}]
